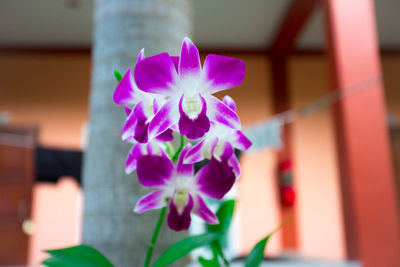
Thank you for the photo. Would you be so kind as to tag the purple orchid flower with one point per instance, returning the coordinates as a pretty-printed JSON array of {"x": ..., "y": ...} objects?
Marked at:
[
  {"x": 219, "y": 144},
  {"x": 189, "y": 89},
  {"x": 145, "y": 106},
  {"x": 178, "y": 187},
  {"x": 138, "y": 150}
]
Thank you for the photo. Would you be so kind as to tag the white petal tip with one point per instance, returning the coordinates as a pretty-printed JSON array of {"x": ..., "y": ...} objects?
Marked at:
[
  {"x": 136, "y": 210},
  {"x": 187, "y": 40},
  {"x": 186, "y": 161},
  {"x": 216, "y": 221}
]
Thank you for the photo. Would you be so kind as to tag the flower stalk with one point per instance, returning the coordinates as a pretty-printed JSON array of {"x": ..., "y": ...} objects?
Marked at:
[
  {"x": 170, "y": 149},
  {"x": 176, "y": 155},
  {"x": 154, "y": 237}
]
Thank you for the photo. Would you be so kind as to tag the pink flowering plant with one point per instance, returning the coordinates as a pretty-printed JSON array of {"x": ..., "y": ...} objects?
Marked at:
[{"x": 173, "y": 121}]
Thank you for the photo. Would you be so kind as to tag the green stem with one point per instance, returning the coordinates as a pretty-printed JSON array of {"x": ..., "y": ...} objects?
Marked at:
[
  {"x": 170, "y": 149},
  {"x": 216, "y": 248},
  {"x": 225, "y": 260},
  {"x": 154, "y": 238},
  {"x": 176, "y": 155}
]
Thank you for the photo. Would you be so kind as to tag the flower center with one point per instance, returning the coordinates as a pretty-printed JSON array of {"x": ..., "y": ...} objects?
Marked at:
[
  {"x": 218, "y": 150},
  {"x": 181, "y": 199},
  {"x": 192, "y": 106},
  {"x": 149, "y": 108}
]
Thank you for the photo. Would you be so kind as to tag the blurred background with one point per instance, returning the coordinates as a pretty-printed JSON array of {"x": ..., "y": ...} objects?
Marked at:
[{"x": 331, "y": 163}]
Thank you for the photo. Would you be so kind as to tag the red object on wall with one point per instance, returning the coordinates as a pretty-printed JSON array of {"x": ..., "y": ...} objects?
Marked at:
[
  {"x": 287, "y": 193},
  {"x": 285, "y": 165},
  {"x": 287, "y": 196}
]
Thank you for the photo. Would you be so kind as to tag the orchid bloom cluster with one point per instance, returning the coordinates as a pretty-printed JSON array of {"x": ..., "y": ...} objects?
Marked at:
[{"x": 167, "y": 94}]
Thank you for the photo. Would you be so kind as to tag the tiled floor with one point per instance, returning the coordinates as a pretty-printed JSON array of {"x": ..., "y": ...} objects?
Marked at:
[
  {"x": 302, "y": 264},
  {"x": 295, "y": 263}
]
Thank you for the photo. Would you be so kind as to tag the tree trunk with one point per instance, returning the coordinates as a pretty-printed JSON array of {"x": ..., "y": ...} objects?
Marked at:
[{"x": 121, "y": 29}]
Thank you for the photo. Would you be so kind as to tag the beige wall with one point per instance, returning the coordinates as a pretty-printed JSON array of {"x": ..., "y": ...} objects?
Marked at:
[
  {"x": 57, "y": 213},
  {"x": 319, "y": 216},
  {"x": 257, "y": 199},
  {"x": 51, "y": 91}
]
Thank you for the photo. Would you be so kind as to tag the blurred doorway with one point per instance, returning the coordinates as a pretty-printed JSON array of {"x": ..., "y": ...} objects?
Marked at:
[
  {"x": 16, "y": 180},
  {"x": 395, "y": 141}
]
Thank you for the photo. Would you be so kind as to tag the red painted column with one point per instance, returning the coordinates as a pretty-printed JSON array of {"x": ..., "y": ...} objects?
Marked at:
[{"x": 369, "y": 200}]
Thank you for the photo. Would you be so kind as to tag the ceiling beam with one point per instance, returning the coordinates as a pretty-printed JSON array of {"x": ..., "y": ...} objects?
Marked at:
[{"x": 297, "y": 15}]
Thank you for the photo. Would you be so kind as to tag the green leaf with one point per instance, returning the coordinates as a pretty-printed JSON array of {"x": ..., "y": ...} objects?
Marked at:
[
  {"x": 209, "y": 263},
  {"x": 224, "y": 214},
  {"x": 217, "y": 251},
  {"x": 81, "y": 255},
  {"x": 257, "y": 253},
  {"x": 117, "y": 75},
  {"x": 183, "y": 247}
]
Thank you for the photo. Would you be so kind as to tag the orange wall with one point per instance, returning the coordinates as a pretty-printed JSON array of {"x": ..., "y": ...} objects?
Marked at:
[{"x": 51, "y": 91}]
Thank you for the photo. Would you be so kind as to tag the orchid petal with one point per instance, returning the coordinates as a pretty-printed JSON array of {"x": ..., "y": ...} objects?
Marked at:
[
  {"x": 153, "y": 200},
  {"x": 127, "y": 109},
  {"x": 197, "y": 127},
  {"x": 175, "y": 127},
  {"x": 128, "y": 130},
  {"x": 182, "y": 168},
  {"x": 153, "y": 170},
  {"x": 153, "y": 147},
  {"x": 125, "y": 91},
  {"x": 141, "y": 130},
  {"x": 155, "y": 106},
  {"x": 180, "y": 221},
  {"x": 142, "y": 125},
  {"x": 217, "y": 111},
  {"x": 195, "y": 154},
  {"x": 175, "y": 61},
  {"x": 215, "y": 179},
  {"x": 229, "y": 102},
  {"x": 222, "y": 152},
  {"x": 234, "y": 163},
  {"x": 165, "y": 136},
  {"x": 131, "y": 160},
  {"x": 156, "y": 74},
  {"x": 165, "y": 118},
  {"x": 189, "y": 61},
  {"x": 213, "y": 147},
  {"x": 140, "y": 56},
  {"x": 240, "y": 141},
  {"x": 223, "y": 72},
  {"x": 204, "y": 212}
]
